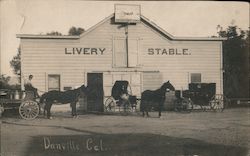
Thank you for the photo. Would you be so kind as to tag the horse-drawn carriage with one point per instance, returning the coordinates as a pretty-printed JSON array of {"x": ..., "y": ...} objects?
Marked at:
[
  {"x": 200, "y": 96},
  {"x": 29, "y": 104},
  {"x": 25, "y": 102},
  {"x": 121, "y": 98}
]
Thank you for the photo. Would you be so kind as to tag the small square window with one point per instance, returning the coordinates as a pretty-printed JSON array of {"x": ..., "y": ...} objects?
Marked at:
[
  {"x": 53, "y": 82},
  {"x": 196, "y": 78}
]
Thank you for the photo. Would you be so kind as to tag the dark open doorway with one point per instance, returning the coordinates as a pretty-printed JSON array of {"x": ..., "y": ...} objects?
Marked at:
[{"x": 95, "y": 96}]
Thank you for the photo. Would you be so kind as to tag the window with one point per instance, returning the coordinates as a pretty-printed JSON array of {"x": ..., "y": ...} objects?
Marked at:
[
  {"x": 53, "y": 82},
  {"x": 120, "y": 53},
  {"x": 195, "y": 77},
  {"x": 124, "y": 57}
]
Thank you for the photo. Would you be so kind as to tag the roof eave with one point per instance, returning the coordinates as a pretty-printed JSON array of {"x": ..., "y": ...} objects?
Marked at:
[
  {"x": 199, "y": 39},
  {"x": 29, "y": 36},
  {"x": 171, "y": 37}
]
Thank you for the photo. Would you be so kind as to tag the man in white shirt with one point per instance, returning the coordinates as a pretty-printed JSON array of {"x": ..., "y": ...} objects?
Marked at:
[{"x": 29, "y": 86}]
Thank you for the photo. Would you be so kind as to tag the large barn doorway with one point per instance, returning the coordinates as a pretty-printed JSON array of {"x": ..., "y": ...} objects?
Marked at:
[{"x": 95, "y": 96}]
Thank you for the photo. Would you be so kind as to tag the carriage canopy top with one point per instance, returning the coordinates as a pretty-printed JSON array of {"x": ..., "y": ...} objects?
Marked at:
[{"x": 119, "y": 88}]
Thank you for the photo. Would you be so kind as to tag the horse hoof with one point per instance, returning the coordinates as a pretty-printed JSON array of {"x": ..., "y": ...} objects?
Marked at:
[
  {"x": 50, "y": 118},
  {"x": 75, "y": 116}
]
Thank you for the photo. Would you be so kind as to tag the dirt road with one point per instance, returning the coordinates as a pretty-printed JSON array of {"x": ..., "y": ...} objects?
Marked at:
[{"x": 175, "y": 134}]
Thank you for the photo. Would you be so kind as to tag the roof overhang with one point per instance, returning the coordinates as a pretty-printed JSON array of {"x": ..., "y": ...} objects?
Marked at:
[
  {"x": 143, "y": 18},
  {"x": 171, "y": 37},
  {"x": 29, "y": 36}
]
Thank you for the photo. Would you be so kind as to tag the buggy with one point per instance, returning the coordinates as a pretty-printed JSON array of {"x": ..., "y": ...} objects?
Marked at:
[
  {"x": 24, "y": 101},
  {"x": 121, "y": 98},
  {"x": 200, "y": 96}
]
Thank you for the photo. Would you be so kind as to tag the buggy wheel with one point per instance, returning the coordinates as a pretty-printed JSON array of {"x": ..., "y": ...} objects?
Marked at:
[
  {"x": 109, "y": 105},
  {"x": 127, "y": 107},
  {"x": 177, "y": 104},
  {"x": 1, "y": 109},
  {"x": 187, "y": 105},
  {"x": 29, "y": 109},
  {"x": 218, "y": 102}
]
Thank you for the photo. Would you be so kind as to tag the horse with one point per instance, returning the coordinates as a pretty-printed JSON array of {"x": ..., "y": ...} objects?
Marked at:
[
  {"x": 69, "y": 96},
  {"x": 154, "y": 98}
]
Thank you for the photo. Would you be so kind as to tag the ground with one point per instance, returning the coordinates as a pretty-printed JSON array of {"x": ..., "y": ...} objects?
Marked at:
[{"x": 175, "y": 134}]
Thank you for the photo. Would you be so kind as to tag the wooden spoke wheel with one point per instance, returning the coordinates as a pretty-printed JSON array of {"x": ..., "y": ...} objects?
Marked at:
[
  {"x": 183, "y": 105},
  {"x": 126, "y": 107},
  {"x": 187, "y": 105},
  {"x": 109, "y": 105},
  {"x": 29, "y": 110},
  {"x": 1, "y": 109},
  {"x": 218, "y": 102}
]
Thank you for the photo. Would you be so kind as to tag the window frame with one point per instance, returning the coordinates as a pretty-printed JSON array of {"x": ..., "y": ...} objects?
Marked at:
[
  {"x": 59, "y": 81},
  {"x": 194, "y": 76},
  {"x": 128, "y": 56}
]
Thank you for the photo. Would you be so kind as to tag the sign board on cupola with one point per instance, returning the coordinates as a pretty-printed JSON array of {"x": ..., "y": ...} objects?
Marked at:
[{"x": 127, "y": 13}]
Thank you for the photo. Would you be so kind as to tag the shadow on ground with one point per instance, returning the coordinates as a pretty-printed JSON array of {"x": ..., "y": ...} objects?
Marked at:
[{"x": 126, "y": 145}]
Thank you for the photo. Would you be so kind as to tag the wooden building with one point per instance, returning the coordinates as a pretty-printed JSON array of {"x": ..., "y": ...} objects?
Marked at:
[{"x": 141, "y": 52}]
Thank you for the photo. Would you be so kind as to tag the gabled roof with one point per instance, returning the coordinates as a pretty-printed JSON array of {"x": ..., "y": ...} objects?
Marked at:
[{"x": 143, "y": 19}]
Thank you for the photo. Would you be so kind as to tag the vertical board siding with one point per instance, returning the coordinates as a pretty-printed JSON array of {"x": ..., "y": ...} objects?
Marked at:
[
  {"x": 47, "y": 56},
  {"x": 152, "y": 80}
]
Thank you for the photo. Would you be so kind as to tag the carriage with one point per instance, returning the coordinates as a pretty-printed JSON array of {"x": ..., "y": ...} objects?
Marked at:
[
  {"x": 24, "y": 101},
  {"x": 121, "y": 98},
  {"x": 200, "y": 96}
]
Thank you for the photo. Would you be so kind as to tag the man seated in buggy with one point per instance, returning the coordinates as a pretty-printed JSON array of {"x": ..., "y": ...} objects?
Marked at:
[
  {"x": 120, "y": 92},
  {"x": 29, "y": 88}
]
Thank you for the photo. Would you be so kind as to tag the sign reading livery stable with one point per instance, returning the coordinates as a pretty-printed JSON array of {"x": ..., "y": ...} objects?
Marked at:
[
  {"x": 84, "y": 51},
  {"x": 124, "y": 46}
]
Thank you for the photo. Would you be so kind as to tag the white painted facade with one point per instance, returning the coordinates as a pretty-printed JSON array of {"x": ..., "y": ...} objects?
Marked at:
[{"x": 44, "y": 55}]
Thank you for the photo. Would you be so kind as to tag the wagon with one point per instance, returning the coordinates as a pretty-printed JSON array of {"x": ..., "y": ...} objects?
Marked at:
[
  {"x": 200, "y": 96},
  {"x": 24, "y": 101},
  {"x": 121, "y": 98}
]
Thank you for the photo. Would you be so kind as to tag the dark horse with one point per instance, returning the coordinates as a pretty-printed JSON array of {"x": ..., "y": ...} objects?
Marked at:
[
  {"x": 154, "y": 98},
  {"x": 69, "y": 96}
]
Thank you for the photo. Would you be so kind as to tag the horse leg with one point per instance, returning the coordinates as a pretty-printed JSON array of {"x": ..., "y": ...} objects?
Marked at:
[
  {"x": 73, "y": 106},
  {"x": 147, "y": 112},
  {"x": 45, "y": 109},
  {"x": 159, "y": 112},
  {"x": 48, "y": 110},
  {"x": 142, "y": 108},
  {"x": 148, "y": 107},
  {"x": 160, "y": 108}
]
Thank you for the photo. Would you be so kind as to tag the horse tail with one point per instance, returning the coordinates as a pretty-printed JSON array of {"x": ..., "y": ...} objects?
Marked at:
[{"x": 142, "y": 105}]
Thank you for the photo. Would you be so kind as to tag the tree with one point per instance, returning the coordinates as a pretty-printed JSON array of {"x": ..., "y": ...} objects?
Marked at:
[
  {"x": 15, "y": 63},
  {"x": 54, "y": 33},
  {"x": 75, "y": 31},
  {"x": 4, "y": 81},
  {"x": 235, "y": 61}
]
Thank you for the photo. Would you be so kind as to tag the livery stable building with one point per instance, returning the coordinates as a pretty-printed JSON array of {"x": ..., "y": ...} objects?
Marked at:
[{"x": 124, "y": 46}]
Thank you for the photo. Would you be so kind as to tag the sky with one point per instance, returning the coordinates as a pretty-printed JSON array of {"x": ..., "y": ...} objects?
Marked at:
[{"x": 179, "y": 18}]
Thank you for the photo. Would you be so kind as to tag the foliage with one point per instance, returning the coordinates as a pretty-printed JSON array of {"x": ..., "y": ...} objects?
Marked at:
[
  {"x": 15, "y": 63},
  {"x": 75, "y": 31},
  {"x": 54, "y": 33},
  {"x": 4, "y": 83},
  {"x": 235, "y": 61}
]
